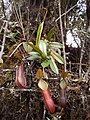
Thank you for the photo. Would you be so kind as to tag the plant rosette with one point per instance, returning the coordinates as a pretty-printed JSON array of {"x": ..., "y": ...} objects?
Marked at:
[
  {"x": 46, "y": 52},
  {"x": 49, "y": 103}
]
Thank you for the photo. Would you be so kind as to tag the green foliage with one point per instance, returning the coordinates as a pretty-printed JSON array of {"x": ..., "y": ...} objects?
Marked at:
[
  {"x": 48, "y": 118},
  {"x": 43, "y": 47},
  {"x": 34, "y": 57},
  {"x": 54, "y": 118},
  {"x": 27, "y": 47},
  {"x": 53, "y": 66},
  {"x": 50, "y": 33},
  {"x": 35, "y": 48},
  {"x": 39, "y": 32},
  {"x": 55, "y": 45},
  {"x": 58, "y": 57},
  {"x": 45, "y": 51},
  {"x": 45, "y": 63}
]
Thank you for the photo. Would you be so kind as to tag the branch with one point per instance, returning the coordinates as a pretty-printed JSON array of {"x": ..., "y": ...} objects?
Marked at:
[
  {"x": 3, "y": 42},
  {"x": 88, "y": 70},
  {"x": 3, "y": 8},
  {"x": 18, "y": 16},
  {"x": 87, "y": 73},
  {"x": 21, "y": 21},
  {"x": 81, "y": 58},
  {"x": 65, "y": 13},
  {"x": 62, "y": 35},
  {"x": 15, "y": 49},
  {"x": 13, "y": 89}
]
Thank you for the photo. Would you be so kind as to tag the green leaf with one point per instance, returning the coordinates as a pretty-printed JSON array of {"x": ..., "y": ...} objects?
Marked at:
[
  {"x": 53, "y": 66},
  {"x": 27, "y": 47},
  {"x": 50, "y": 33},
  {"x": 45, "y": 63},
  {"x": 58, "y": 57},
  {"x": 39, "y": 32},
  {"x": 33, "y": 57},
  {"x": 36, "y": 49},
  {"x": 54, "y": 118},
  {"x": 34, "y": 53},
  {"x": 43, "y": 46},
  {"x": 48, "y": 118},
  {"x": 63, "y": 84},
  {"x": 56, "y": 45}
]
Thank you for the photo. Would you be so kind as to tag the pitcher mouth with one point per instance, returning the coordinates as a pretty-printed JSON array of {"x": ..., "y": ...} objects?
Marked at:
[{"x": 42, "y": 84}]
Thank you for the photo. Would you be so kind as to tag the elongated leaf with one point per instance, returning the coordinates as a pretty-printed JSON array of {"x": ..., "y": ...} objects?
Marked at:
[
  {"x": 36, "y": 49},
  {"x": 27, "y": 47},
  {"x": 56, "y": 45},
  {"x": 54, "y": 118},
  {"x": 34, "y": 57},
  {"x": 45, "y": 63},
  {"x": 53, "y": 66},
  {"x": 43, "y": 46},
  {"x": 58, "y": 57},
  {"x": 47, "y": 118},
  {"x": 39, "y": 32},
  {"x": 34, "y": 53},
  {"x": 50, "y": 33}
]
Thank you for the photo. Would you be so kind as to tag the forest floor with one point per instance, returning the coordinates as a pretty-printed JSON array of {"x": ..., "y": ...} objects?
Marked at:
[{"x": 27, "y": 104}]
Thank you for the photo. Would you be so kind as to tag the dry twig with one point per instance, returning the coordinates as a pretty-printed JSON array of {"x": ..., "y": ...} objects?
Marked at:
[
  {"x": 62, "y": 35},
  {"x": 65, "y": 13},
  {"x": 4, "y": 38}
]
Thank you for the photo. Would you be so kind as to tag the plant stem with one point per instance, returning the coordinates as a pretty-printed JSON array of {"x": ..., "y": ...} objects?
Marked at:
[
  {"x": 62, "y": 36},
  {"x": 81, "y": 57},
  {"x": 65, "y": 13},
  {"x": 15, "y": 49},
  {"x": 13, "y": 89},
  {"x": 3, "y": 42}
]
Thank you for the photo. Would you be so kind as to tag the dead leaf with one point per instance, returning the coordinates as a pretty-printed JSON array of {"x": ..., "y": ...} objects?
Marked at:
[
  {"x": 64, "y": 74},
  {"x": 45, "y": 74},
  {"x": 39, "y": 74},
  {"x": 77, "y": 88}
]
